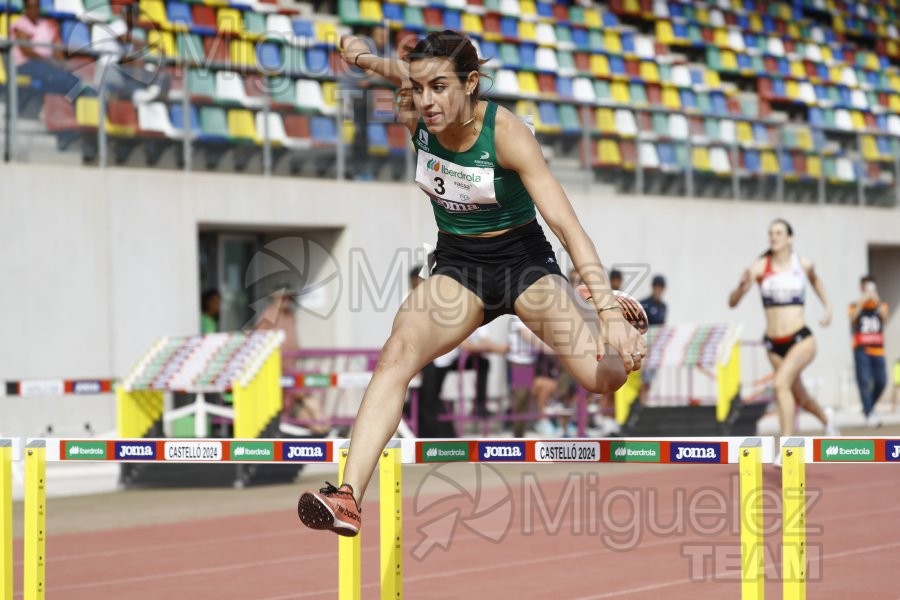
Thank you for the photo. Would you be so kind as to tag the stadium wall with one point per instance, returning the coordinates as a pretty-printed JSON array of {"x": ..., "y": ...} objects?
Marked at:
[{"x": 97, "y": 265}]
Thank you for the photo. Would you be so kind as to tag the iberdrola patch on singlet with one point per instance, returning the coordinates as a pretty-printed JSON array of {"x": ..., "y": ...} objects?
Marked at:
[{"x": 456, "y": 188}]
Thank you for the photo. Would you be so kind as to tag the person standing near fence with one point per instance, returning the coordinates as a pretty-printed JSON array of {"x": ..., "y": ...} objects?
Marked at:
[{"x": 868, "y": 316}]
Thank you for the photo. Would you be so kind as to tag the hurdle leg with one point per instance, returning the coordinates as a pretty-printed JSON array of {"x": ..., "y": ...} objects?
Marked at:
[
  {"x": 349, "y": 555},
  {"x": 6, "y": 534},
  {"x": 35, "y": 518},
  {"x": 793, "y": 485},
  {"x": 391, "y": 513},
  {"x": 751, "y": 516}
]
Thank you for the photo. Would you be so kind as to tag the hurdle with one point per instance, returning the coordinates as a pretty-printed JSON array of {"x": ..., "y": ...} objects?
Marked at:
[
  {"x": 796, "y": 453},
  {"x": 749, "y": 453}
]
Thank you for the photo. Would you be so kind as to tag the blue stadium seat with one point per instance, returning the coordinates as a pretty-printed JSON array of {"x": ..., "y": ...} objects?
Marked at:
[
  {"x": 816, "y": 117},
  {"x": 549, "y": 115},
  {"x": 545, "y": 10},
  {"x": 176, "y": 116},
  {"x": 323, "y": 131},
  {"x": 304, "y": 29},
  {"x": 76, "y": 35},
  {"x": 779, "y": 90},
  {"x": 719, "y": 103},
  {"x": 617, "y": 65},
  {"x": 564, "y": 87},
  {"x": 453, "y": 20},
  {"x": 752, "y": 162},
  {"x": 392, "y": 11},
  {"x": 180, "y": 13},
  {"x": 667, "y": 158},
  {"x": 488, "y": 49},
  {"x": 580, "y": 38},
  {"x": 628, "y": 42},
  {"x": 509, "y": 27},
  {"x": 527, "y": 54},
  {"x": 688, "y": 99},
  {"x": 377, "y": 138},
  {"x": 317, "y": 61},
  {"x": 269, "y": 57},
  {"x": 744, "y": 62},
  {"x": 610, "y": 19}
]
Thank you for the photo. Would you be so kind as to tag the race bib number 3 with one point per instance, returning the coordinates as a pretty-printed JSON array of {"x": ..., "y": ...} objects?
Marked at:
[{"x": 455, "y": 187}]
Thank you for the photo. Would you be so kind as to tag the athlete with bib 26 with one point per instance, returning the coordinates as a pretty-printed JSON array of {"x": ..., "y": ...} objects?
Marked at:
[
  {"x": 783, "y": 277},
  {"x": 867, "y": 320},
  {"x": 485, "y": 176}
]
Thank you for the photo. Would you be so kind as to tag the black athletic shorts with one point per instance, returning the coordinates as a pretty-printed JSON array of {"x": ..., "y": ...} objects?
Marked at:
[
  {"x": 780, "y": 346},
  {"x": 496, "y": 269}
]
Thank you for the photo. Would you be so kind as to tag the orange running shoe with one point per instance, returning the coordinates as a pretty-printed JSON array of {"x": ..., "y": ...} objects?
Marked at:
[{"x": 331, "y": 508}]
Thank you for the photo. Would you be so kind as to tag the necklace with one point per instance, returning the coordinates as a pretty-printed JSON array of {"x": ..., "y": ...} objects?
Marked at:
[{"x": 472, "y": 120}]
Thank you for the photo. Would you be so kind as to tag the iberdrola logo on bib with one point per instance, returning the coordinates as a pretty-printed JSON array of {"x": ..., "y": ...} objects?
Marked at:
[{"x": 433, "y": 165}]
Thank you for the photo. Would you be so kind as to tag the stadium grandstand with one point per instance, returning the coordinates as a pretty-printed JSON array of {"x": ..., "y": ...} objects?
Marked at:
[{"x": 796, "y": 101}]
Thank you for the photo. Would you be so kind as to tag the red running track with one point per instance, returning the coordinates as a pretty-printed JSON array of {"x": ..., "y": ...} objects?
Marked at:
[{"x": 643, "y": 535}]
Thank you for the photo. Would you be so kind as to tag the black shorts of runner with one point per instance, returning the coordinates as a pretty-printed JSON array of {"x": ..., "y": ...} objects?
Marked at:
[
  {"x": 497, "y": 269},
  {"x": 782, "y": 345}
]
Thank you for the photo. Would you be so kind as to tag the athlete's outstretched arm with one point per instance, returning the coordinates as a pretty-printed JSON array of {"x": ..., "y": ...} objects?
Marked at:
[
  {"x": 819, "y": 287},
  {"x": 747, "y": 277},
  {"x": 517, "y": 149}
]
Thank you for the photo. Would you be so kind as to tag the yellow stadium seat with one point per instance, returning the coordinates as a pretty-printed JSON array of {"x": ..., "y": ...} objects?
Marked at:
[
  {"x": 798, "y": 70},
  {"x": 721, "y": 37},
  {"x": 608, "y": 151},
  {"x": 606, "y": 120},
  {"x": 838, "y": 24},
  {"x": 713, "y": 81},
  {"x": 87, "y": 111},
  {"x": 612, "y": 42},
  {"x": 894, "y": 81},
  {"x": 814, "y": 166},
  {"x": 769, "y": 163},
  {"x": 526, "y": 108},
  {"x": 632, "y": 6},
  {"x": 242, "y": 125},
  {"x": 619, "y": 92},
  {"x": 527, "y": 9},
  {"x": 471, "y": 24},
  {"x": 700, "y": 158},
  {"x": 827, "y": 55},
  {"x": 665, "y": 32},
  {"x": 701, "y": 15},
  {"x": 327, "y": 33},
  {"x": 229, "y": 20},
  {"x": 793, "y": 31},
  {"x": 528, "y": 83},
  {"x": 4, "y": 26},
  {"x": 858, "y": 120},
  {"x": 599, "y": 65},
  {"x": 155, "y": 12},
  {"x": 329, "y": 96},
  {"x": 370, "y": 10},
  {"x": 528, "y": 31},
  {"x": 744, "y": 132},
  {"x": 649, "y": 71},
  {"x": 349, "y": 132},
  {"x": 670, "y": 97},
  {"x": 792, "y": 89},
  {"x": 756, "y": 24},
  {"x": 243, "y": 54},
  {"x": 161, "y": 42},
  {"x": 894, "y": 103},
  {"x": 872, "y": 62},
  {"x": 869, "y": 148},
  {"x": 3, "y": 72},
  {"x": 804, "y": 139},
  {"x": 592, "y": 18},
  {"x": 729, "y": 60}
]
